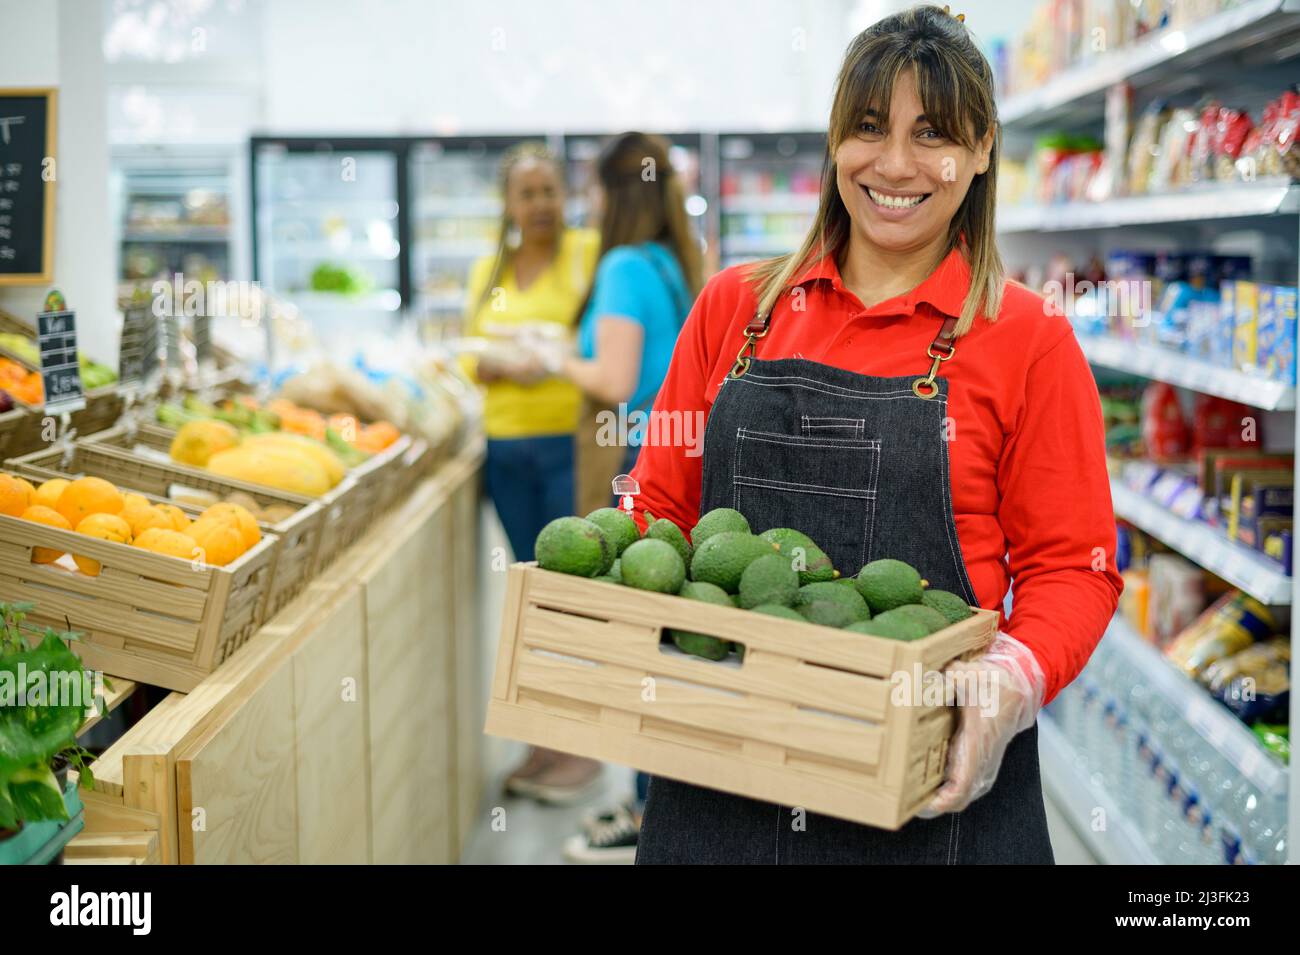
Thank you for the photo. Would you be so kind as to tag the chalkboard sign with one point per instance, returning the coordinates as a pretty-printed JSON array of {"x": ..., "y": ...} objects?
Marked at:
[
  {"x": 56, "y": 335},
  {"x": 27, "y": 126}
]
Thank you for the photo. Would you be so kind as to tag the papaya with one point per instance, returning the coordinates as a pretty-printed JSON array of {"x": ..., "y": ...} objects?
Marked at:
[
  {"x": 298, "y": 444},
  {"x": 197, "y": 441},
  {"x": 274, "y": 467}
]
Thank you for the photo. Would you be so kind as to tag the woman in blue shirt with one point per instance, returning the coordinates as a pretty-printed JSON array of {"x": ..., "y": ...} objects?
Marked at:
[{"x": 646, "y": 281}]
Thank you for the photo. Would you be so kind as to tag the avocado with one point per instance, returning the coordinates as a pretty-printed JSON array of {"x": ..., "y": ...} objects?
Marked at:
[
  {"x": 947, "y": 603},
  {"x": 887, "y": 583},
  {"x": 665, "y": 530},
  {"x": 768, "y": 580},
  {"x": 616, "y": 570},
  {"x": 701, "y": 644},
  {"x": 723, "y": 557},
  {"x": 927, "y": 617},
  {"x": 828, "y": 613},
  {"x": 777, "y": 610},
  {"x": 850, "y": 599},
  {"x": 717, "y": 521},
  {"x": 573, "y": 545},
  {"x": 618, "y": 527},
  {"x": 891, "y": 627},
  {"x": 653, "y": 565},
  {"x": 607, "y": 579},
  {"x": 810, "y": 560}
]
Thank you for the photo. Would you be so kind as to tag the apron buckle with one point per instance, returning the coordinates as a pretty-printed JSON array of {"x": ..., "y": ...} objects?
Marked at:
[
  {"x": 926, "y": 387},
  {"x": 756, "y": 329}
]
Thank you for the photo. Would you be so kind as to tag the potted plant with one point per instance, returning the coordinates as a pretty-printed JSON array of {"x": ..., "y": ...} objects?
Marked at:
[{"x": 44, "y": 695}]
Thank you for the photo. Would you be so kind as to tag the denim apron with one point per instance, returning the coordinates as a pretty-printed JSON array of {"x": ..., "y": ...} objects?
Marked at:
[{"x": 860, "y": 464}]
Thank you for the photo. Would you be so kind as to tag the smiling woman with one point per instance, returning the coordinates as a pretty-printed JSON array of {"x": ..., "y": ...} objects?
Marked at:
[{"x": 989, "y": 477}]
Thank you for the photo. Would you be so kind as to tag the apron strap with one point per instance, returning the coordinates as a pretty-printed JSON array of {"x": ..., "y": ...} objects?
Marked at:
[{"x": 940, "y": 350}]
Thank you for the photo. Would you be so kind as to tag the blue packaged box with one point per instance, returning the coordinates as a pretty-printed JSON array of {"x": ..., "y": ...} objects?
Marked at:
[
  {"x": 1244, "y": 351},
  {"x": 1220, "y": 350},
  {"x": 1275, "y": 336}
]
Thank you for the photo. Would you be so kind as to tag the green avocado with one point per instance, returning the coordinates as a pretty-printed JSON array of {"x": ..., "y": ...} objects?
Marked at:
[
  {"x": 887, "y": 583},
  {"x": 768, "y": 580},
  {"x": 653, "y": 565},
  {"x": 573, "y": 545},
  {"x": 618, "y": 527},
  {"x": 717, "y": 521},
  {"x": 723, "y": 557}
]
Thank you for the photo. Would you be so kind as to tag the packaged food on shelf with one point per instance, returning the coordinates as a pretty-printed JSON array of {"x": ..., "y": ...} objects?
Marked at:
[
  {"x": 1246, "y": 312},
  {"x": 1230, "y": 624},
  {"x": 1165, "y": 433},
  {"x": 1176, "y": 596},
  {"x": 1255, "y": 496},
  {"x": 1254, "y": 682},
  {"x": 1275, "y": 334}
]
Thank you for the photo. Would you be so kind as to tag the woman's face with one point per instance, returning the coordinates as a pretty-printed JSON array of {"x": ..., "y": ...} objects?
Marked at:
[
  {"x": 535, "y": 199},
  {"x": 901, "y": 181}
]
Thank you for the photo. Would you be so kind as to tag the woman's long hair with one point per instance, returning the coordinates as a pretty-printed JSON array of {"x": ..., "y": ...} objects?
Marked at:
[
  {"x": 514, "y": 156},
  {"x": 955, "y": 84},
  {"x": 645, "y": 202}
]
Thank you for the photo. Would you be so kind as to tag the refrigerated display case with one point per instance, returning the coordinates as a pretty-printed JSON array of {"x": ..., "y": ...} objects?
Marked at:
[
  {"x": 693, "y": 157},
  {"x": 329, "y": 217},
  {"x": 174, "y": 211},
  {"x": 769, "y": 185},
  {"x": 455, "y": 217}
]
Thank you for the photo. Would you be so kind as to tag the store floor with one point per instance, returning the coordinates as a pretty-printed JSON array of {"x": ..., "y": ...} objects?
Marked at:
[{"x": 521, "y": 832}]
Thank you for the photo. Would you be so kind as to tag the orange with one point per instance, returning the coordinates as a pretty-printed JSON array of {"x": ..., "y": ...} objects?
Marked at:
[
  {"x": 86, "y": 496},
  {"x": 219, "y": 542},
  {"x": 377, "y": 436},
  {"x": 15, "y": 495},
  {"x": 346, "y": 426},
  {"x": 238, "y": 517},
  {"x": 151, "y": 516},
  {"x": 171, "y": 543},
  {"x": 48, "y": 493},
  {"x": 107, "y": 527},
  {"x": 46, "y": 515},
  {"x": 25, "y": 483},
  {"x": 179, "y": 521},
  {"x": 134, "y": 507}
]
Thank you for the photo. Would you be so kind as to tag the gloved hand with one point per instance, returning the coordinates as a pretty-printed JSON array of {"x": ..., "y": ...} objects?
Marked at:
[{"x": 998, "y": 695}]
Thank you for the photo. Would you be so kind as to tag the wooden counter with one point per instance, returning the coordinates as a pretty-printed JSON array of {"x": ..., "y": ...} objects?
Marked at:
[{"x": 348, "y": 729}]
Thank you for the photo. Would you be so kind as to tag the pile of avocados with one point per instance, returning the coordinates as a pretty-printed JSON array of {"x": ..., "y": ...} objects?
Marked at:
[{"x": 780, "y": 572}]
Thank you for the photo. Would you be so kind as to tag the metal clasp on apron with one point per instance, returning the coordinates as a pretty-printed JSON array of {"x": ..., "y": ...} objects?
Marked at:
[
  {"x": 925, "y": 386},
  {"x": 756, "y": 329}
]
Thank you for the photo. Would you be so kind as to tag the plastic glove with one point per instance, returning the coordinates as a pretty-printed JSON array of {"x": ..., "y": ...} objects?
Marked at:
[{"x": 999, "y": 695}]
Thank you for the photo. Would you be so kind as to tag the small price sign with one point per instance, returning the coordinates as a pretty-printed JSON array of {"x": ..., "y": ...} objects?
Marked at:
[{"x": 56, "y": 336}]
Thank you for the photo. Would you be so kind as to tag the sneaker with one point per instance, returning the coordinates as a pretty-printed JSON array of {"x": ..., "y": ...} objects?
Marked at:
[
  {"x": 597, "y": 817},
  {"x": 610, "y": 841},
  {"x": 565, "y": 781}
]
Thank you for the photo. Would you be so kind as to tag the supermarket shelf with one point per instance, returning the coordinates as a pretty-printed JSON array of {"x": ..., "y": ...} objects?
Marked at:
[
  {"x": 760, "y": 245},
  {"x": 452, "y": 206},
  {"x": 192, "y": 234},
  {"x": 385, "y": 300},
  {"x": 1239, "y": 565},
  {"x": 1075, "y": 793},
  {"x": 1162, "y": 364},
  {"x": 1158, "y": 56},
  {"x": 1265, "y": 197},
  {"x": 1228, "y": 735},
  {"x": 324, "y": 250},
  {"x": 775, "y": 203}
]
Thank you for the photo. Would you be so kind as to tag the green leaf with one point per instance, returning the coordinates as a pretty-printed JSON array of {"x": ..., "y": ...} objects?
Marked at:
[
  {"x": 36, "y": 794},
  {"x": 8, "y": 814}
]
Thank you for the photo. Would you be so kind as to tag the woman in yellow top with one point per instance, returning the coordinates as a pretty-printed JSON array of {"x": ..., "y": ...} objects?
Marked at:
[{"x": 533, "y": 284}]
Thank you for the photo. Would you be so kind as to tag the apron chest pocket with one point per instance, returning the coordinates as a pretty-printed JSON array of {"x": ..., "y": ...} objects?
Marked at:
[
  {"x": 832, "y": 427},
  {"x": 824, "y": 486}
]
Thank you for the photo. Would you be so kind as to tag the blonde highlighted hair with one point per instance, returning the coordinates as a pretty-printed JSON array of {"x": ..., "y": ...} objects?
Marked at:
[{"x": 955, "y": 84}]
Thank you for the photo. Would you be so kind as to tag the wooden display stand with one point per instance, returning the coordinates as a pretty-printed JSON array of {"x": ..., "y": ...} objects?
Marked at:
[{"x": 347, "y": 730}]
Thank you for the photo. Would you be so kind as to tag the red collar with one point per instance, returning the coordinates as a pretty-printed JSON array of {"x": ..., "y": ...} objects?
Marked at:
[{"x": 945, "y": 288}]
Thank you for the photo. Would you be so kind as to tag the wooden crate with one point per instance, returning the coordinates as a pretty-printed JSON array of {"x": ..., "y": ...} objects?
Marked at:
[
  {"x": 806, "y": 720},
  {"x": 147, "y": 617},
  {"x": 297, "y": 537},
  {"x": 347, "y": 510},
  {"x": 25, "y": 429}
]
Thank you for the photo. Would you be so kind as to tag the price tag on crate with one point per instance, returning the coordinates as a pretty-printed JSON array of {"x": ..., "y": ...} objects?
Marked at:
[{"x": 56, "y": 336}]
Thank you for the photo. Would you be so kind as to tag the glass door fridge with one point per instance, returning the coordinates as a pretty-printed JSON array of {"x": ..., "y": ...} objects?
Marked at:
[
  {"x": 329, "y": 216},
  {"x": 692, "y": 156},
  {"x": 173, "y": 210},
  {"x": 769, "y": 185},
  {"x": 455, "y": 218}
]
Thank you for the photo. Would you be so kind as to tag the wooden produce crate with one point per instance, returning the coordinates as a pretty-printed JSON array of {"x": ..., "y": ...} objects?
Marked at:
[
  {"x": 296, "y": 537},
  {"x": 806, "y": 720},
  {"x": 347, "y": 510},
  {"x": 24, "y": 429},
  {"x": 146, "y": 616}
]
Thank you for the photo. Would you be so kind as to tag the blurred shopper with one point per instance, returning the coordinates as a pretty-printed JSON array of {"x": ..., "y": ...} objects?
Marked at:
[
  {"x": 648, "y": 277},
  {"x": 538, "y": 277}
]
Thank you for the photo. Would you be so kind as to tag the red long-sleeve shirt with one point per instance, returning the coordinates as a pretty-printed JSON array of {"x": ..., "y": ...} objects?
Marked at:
[{"x": 1027, "y": 455}]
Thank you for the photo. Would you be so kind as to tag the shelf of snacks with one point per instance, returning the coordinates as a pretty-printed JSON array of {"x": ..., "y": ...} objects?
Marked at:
[
  {"x": 1176, "y": 368},
  {"x": 1055, "y": 68},
  {"x": 1253, "y": 571},
  {"x": 1200, "y": 204},
  {"x": 1075, "y": 792}
]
